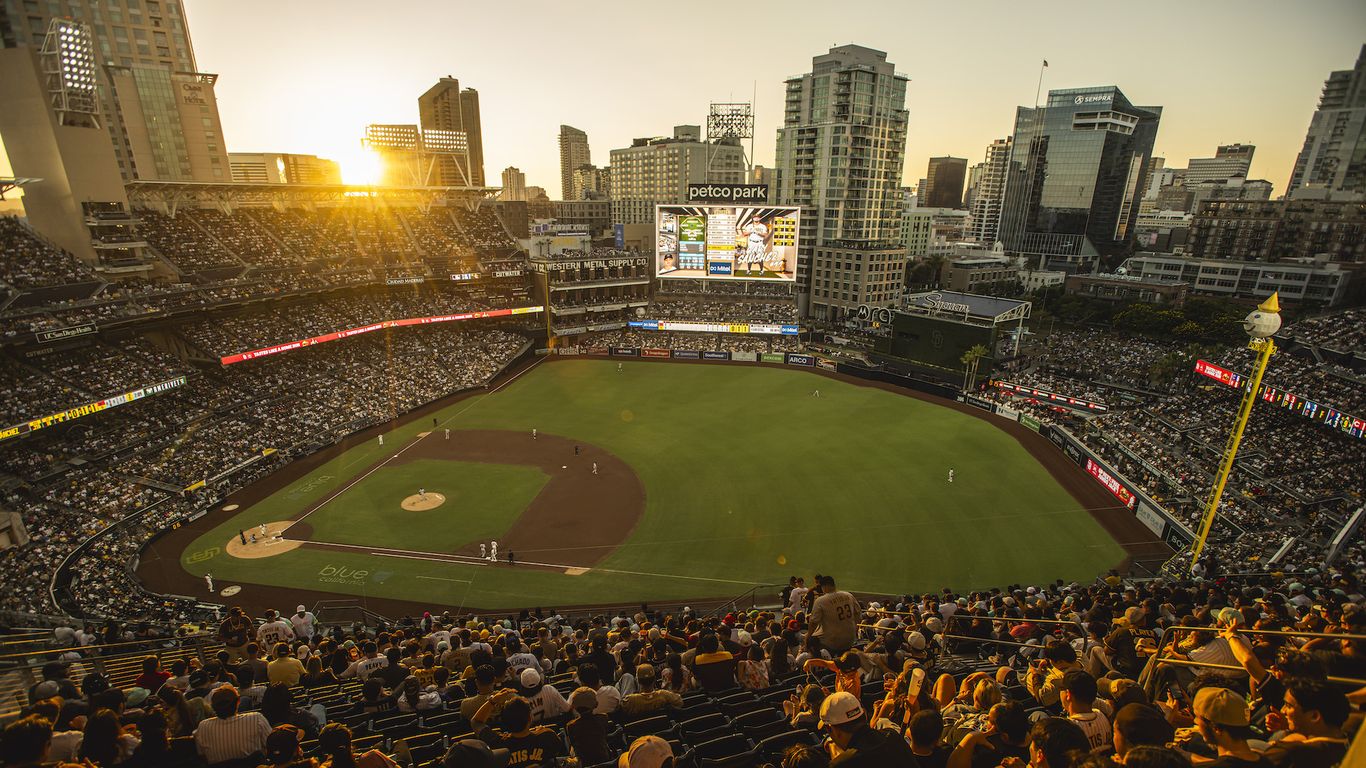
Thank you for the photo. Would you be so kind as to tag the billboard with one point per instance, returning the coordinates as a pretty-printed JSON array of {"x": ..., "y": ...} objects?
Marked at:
[{"x": 726, "y": 242}]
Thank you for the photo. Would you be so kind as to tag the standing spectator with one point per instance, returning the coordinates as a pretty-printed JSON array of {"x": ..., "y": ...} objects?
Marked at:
[
  {"x": 834, "y": 619},
  {"x": 274, "y": 630},
  {"x": 304, "y": 623},
  {"x": 234, "y": 632},
  {"x": 229, "y": 735}
]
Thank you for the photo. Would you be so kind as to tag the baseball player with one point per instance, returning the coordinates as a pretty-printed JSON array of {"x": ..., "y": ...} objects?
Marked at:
[
  {"x": 242, "y": 536},
  {"x": 754, "y": 251},
  {"x": 493, "y": 551},
  {"x": 511, "y": 559},
  {"x": 950, "y": 475},
  {"x": 595, "y": 467},
  {"x": 381, "y": 440},
  {"x": 422, "y": 493},
  {"x": 208, "y": 579},
  {"x": 448, "y": 433},
  {"x": 263, "y": 530},
  {"x": 815, "y": 393},
  {"x": 483, "y": 551},
  {"x": 618, "y": 367},
  {"x": 253, "y": 537},
  {"x": 533, "y": 433}
]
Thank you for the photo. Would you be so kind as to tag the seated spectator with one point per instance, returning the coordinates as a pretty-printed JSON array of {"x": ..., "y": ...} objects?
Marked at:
[
  {"x": 1007, "y": 736},
  {"x": 25, "y": 742},
  {"x": 411, "y": 697},
  {"x": 335, "y": 743},
  {"x": 587, "y": 732},
  {"x": 229, "y": 735},
  {"x": 855, "y": 744},
  {"x": 647, "y": 752},
  {"x": 926, "y": 749},
  {"x": 1077, "y": 694},
  {"x": 528, "y": 746},
  {"x": 153, "y": 676},
  {"x": 105, "y": 742},
  {"x": 1221, "y": 720},
  {"x": 1057, "y": 743},
  {"x": 278, "y": 709},
  {"x": 1315, "y": 713},
  {"x": 284, "y": 668},
  {"x": 283, "y": 747},
  {"x": 649, "y": 698}
]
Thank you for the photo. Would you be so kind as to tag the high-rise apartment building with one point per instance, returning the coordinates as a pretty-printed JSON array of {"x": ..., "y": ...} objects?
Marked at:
[
  {"x": 840, "y": 155},
  {"x": 446, "y": 107},
  {"x": 282, "y": 168},
  {"x": 1076, "y": 175},
  {"x": 658, "y": 171},
  {"x": 591, "y": 183},
  {"x": 944, "y": 183},
  {"x": 514, "y": 185},
  {"x": 1334, "y": 153},
  {"x": 1229, "y": 160},
  {"x": 158, "y": 110},
  {"x": 574, "y": 153},
  {"x": 989, "y": 193}
]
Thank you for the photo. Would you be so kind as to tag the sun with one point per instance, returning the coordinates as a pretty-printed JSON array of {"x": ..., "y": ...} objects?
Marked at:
[{"x": 362, "y": 167}]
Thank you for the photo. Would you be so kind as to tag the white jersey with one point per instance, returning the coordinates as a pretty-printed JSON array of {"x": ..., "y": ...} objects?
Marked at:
[
  {"x": 273, "y": 632},
  {"x": 1096, "y": 726},
  {"x": 303, "y": 625}
]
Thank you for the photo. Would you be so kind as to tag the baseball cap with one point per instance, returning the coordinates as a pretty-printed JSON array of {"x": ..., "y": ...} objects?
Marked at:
[
  {"x": 472, "y": 753},
  {"x": 282, "y": 743},
  {"x": 745, "y": 639},
  {"x": 916, "y": 640},
  {"x": 583, "y": 698},
  {"x": 934, "y": 624},
  {"x": 842, "y": 707},
  {"x": 1220, "y": 706},
  {"x": 645, "y": 672},
  {"x": 530, "y": 678},
  {"x": 136, "y": 696},
  {"x": 300, "y": 609},
  {"x": 645, "y": 752}
]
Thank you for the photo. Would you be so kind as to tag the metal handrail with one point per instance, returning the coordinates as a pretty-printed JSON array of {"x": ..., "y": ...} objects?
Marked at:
[
  {"x": 1274, "y": 632},
  {"x": 734, "y": 602},
  {"x": 98, "y": 648},
  {"x": 1235, "y": 668}
]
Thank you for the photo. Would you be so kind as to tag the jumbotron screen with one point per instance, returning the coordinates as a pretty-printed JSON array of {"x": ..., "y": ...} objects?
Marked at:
[{"x": 726, "y": 242}]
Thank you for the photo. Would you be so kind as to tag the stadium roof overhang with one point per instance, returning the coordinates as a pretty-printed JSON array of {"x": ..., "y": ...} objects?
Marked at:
[
  {"x": 170, "y": 194},
  {"x": 968, "y": 306},
  {"x": 9, "y": 183}
]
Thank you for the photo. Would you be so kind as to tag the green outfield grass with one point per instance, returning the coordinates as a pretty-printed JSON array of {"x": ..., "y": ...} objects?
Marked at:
[{"x": 748, "y": 479}]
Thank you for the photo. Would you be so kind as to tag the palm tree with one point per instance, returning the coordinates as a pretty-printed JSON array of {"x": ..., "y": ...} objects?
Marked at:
[{"x": 970, "y": 360}]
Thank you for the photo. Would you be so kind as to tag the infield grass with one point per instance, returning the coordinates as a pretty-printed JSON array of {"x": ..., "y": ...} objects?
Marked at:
[{"x": 748, "y": 479}]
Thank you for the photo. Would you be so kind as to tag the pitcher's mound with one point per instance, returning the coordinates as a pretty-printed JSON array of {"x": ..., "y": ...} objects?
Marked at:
[
  {"x": 268, "y": 545},
  {"x": 416, "y": 503}
]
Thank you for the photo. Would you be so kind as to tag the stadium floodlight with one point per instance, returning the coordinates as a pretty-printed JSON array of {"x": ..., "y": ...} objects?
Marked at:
[
  {"x": 441, "y": 142},
  {"x": 730, "y": 120},
  {"x": 392, "y": 137},
  {"x": 68, "y": 61}
]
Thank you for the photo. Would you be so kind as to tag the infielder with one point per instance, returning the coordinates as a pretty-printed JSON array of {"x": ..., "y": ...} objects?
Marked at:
[
  {"x": 448, "y": 433},
  {"x": 208, "y": 579},
  {"x": 263, "y": 530},
  {"x": 493, "y": 551},
  {"x": 533, "y": 433},
  {"x": 595, "y": 467},
  {"x": 483, "y": 551}
]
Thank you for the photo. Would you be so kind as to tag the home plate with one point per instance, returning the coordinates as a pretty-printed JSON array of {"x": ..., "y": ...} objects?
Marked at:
[{"x": 576, "y": 571}]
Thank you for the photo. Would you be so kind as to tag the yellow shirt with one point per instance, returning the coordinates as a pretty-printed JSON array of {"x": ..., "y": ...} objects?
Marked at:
[{"x": 286, "y": 670}]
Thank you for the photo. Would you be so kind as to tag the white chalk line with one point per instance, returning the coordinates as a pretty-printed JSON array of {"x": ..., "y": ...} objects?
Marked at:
[
  {"x": 473, "y": 401},
  {"x": 438, "y": 578},
  {"x": 441, "y": 557}
]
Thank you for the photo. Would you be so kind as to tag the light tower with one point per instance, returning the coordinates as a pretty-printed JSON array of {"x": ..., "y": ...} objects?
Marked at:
[
  {"x": 1260, "y": 324},
  {"x": 729, "y": 121}
]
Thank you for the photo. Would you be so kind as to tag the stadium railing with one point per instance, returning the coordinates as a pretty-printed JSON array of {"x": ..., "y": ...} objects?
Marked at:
[{"x": 1173, "y": 635}]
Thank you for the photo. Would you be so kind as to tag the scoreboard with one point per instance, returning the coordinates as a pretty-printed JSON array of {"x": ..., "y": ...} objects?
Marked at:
[{"x": 1281, "y": 398}]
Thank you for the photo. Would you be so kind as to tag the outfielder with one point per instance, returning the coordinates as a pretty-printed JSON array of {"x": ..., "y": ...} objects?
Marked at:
[
  {"x": 208, "y": 579},
  {"x": 950, "y": 475},
  {"x": 381, "y": 439},
  {"x": 618, "y": 367},
  {"x": 493, "y": 551}
]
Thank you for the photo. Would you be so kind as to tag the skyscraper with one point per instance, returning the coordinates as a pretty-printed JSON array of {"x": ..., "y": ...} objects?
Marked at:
[
  {"x": 1334, "y": 153},
  {"x": 944, "y": 183},
  {"x": 514, "y": 185},
  {"x": 840, "y": 155},
  {"x": 158, "y": 110},
  {"x": 1229, "y": 160},
  {"x": 573, "y": 154},
  {"x": 1076, "y": 175},
  {"x": 445, "y": 107},
  {"x": 657, "y": 171},
  {"x": 989, "y": 195}
]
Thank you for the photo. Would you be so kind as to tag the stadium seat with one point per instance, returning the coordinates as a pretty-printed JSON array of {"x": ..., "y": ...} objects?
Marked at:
[
  {"x": 656, "y": 726},
  {"x": 725, "y": 748},
  {"x": 761, "y": 731},
  {"x": 717, "y": 677},
  {"x": 773, "y": 747}
]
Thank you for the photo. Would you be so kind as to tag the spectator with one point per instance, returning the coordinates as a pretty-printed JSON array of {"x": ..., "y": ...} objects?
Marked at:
[
  {"x": 649, "y": 698},
  {"x": 587, "y": 731},
  {"x": 1221, "y": 719},
  {"x": 1315, "y": 712},
  {"x": 528, "y": 746},
  {"x": 285, "y": 668},
  {"x": 834, "y": 619},
  {"x": 229, "y": 735},
  {"x": 25, "y": 742},
  {"x": 1077, "y": 694},
  {"x": 854, "y": 743},
  {"x": 1057, "y": 743},
  {"x": 335, "y": 743},
  {"x": 647, "y": 752}
]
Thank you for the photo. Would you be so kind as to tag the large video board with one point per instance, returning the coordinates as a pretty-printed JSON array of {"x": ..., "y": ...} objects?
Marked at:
[{"x": 726, "y": 242}]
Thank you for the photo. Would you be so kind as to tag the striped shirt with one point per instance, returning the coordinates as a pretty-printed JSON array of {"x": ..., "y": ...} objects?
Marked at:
[{"x": 241, "y": 735}]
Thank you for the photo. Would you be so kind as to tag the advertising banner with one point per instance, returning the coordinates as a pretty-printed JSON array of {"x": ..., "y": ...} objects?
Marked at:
[
  {"x": 687, "y": 354},
  {"x": 62, "y": 334},
  {"x": 619, "y": 235},
  {"x": 796, "y": 359},
  {"x": 1150, "y": 518},
  {"x": 731, "y": 242},
  {"x": 985, "y": 405},
  {"x": 1296, "y": 404},
  {"x": 1073, "y": 452},
  {"x": 772, "y": 357},
  {"x": 828, "y": 365},
  {"x": 508, "y": 273},
  {"x": 461, "y": 277},
  {"x": 85, "y": 409},
  {"x": 567, "y": 351},
  {"x": 624, "y": 352},
  {"x": 1111, "y": 484},
  {"x": 1009, "y": 413},
  {"x": 1222, "y": 375},
  {"x": 710, "y": 355},
  {"x": 1030, "y": 421},
  {"x": 1049, "y": 397},
  {"x": 673, "y": 325},
  {"x": 597, "y": 351},
  {"x": 655, "y": 353},
  {"x": 406, "y": 280},
  {"x": 746, "y": 357},
  {"x": 292, "y": 345}
]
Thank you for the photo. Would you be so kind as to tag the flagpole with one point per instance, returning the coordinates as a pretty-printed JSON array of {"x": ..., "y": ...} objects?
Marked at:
[{"x": 1038, "y": 90}]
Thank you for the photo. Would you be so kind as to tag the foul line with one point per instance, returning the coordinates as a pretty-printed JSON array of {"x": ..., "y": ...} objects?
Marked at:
[
  {"x": 438, "y": 578},
  {"x": 473, "y": 401},
  {"x": 440, "y": 557}
]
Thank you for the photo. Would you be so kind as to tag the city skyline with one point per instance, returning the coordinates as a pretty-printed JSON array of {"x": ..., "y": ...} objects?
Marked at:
[{"x": 316, "y": 95}]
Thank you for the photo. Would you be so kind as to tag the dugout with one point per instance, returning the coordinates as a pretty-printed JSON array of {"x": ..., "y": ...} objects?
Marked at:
[{"x": 933, "y": 331}]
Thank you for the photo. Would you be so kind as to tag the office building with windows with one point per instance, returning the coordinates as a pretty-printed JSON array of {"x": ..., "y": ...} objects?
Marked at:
[
  {"x": 944, "y": 183},
  {"x": 988, "y": 194},
  {"x": 574, "y": 153},
  {"x": 657, "y": 171},
  {"x": 840, "y": 155},
  {"x": 447, "y": 110},
  {"x": 1334, "y": 152}
]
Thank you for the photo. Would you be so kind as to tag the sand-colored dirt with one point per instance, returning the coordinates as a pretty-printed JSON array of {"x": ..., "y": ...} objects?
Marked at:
[
  {"x": 270, "y": 545},
  {"x": 424, "y": 502}
]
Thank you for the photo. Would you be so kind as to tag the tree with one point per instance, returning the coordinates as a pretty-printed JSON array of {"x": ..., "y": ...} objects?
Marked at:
[{"x": 970, "y": 361}]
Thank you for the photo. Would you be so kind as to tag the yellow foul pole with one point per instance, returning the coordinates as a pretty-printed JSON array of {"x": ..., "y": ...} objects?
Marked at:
[{"x": 1265, "y": 349}]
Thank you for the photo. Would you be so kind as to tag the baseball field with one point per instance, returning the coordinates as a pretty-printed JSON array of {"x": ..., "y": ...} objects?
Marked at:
[{"x": 653, "y": 482}]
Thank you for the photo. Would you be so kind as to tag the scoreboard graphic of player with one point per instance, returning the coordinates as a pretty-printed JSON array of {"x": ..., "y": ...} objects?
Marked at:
[{"x": 726, "y": 242}]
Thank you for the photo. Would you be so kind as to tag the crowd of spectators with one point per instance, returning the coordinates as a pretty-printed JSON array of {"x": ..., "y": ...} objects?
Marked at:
[
  {"x": 482, "y": 229},
  {"x": 28, "y": 262},
  {"x": 1343, "y": 331},
  {"x": 1054, "y": 676}
]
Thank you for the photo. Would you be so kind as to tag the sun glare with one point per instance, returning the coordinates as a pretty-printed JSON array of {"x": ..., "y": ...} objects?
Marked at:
[{"x": 362, "y": 167}]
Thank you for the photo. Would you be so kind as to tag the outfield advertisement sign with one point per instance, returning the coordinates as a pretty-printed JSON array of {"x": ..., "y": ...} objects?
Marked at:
[
  {"x": 670, "y": 325},
  {"x": 1111, "y": 483},
  {"x": 827, "y": 365},
  {"x": 772, "y": 357},
  {"x": 86, "y": 409},
  {"x": 687, "y": 354},
  {"x": 625, "y": 352},
  {"x": 985, "y": 405},
  {"x": 1030, "y": 421},
  {"x": 728, "y": 241},
  {"x": 746, "y": 357},
  {"x": 796, "y": 359},
  {"x": 293, "y": 345},
  {"x": 655, "y": 353},
  {"x": 709, "y": 355},
  {"x": 1149, "y": 517}
]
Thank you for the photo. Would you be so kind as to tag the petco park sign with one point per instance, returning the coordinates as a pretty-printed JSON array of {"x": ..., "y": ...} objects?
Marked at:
[{"x": 727, "y": 193}]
